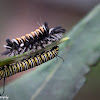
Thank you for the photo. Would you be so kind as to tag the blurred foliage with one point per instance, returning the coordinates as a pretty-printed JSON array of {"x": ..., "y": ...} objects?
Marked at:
[{"x": 58, "y": 80}]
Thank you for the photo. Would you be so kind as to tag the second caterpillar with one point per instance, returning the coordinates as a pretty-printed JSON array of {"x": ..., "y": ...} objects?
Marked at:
[
  {"x": 24, "y": 65},
  {"x": 10, "y": 70}
]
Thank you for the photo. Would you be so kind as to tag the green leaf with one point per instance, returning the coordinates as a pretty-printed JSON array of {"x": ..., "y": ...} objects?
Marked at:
[{"x": 58, "y": 80}]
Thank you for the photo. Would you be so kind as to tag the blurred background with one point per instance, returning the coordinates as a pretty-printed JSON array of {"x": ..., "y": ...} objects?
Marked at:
[{"x": 18, "y": 17}]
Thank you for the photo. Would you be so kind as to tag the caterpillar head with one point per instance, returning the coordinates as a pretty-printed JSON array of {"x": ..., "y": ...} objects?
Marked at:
[
  {"x": 56, "y": 33},
  {"x": 56, "y": 30}
]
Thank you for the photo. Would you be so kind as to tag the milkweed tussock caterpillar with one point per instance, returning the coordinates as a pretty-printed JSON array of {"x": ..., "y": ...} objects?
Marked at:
[
  {"x": 10, "y": 70},
  {"x": 33, "y": 41}
]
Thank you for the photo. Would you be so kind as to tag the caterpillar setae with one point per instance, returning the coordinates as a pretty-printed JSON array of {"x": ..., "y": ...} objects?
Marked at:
[
  {"x": 24, "y": 65},
  {"x": 34, "y": 40}
]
